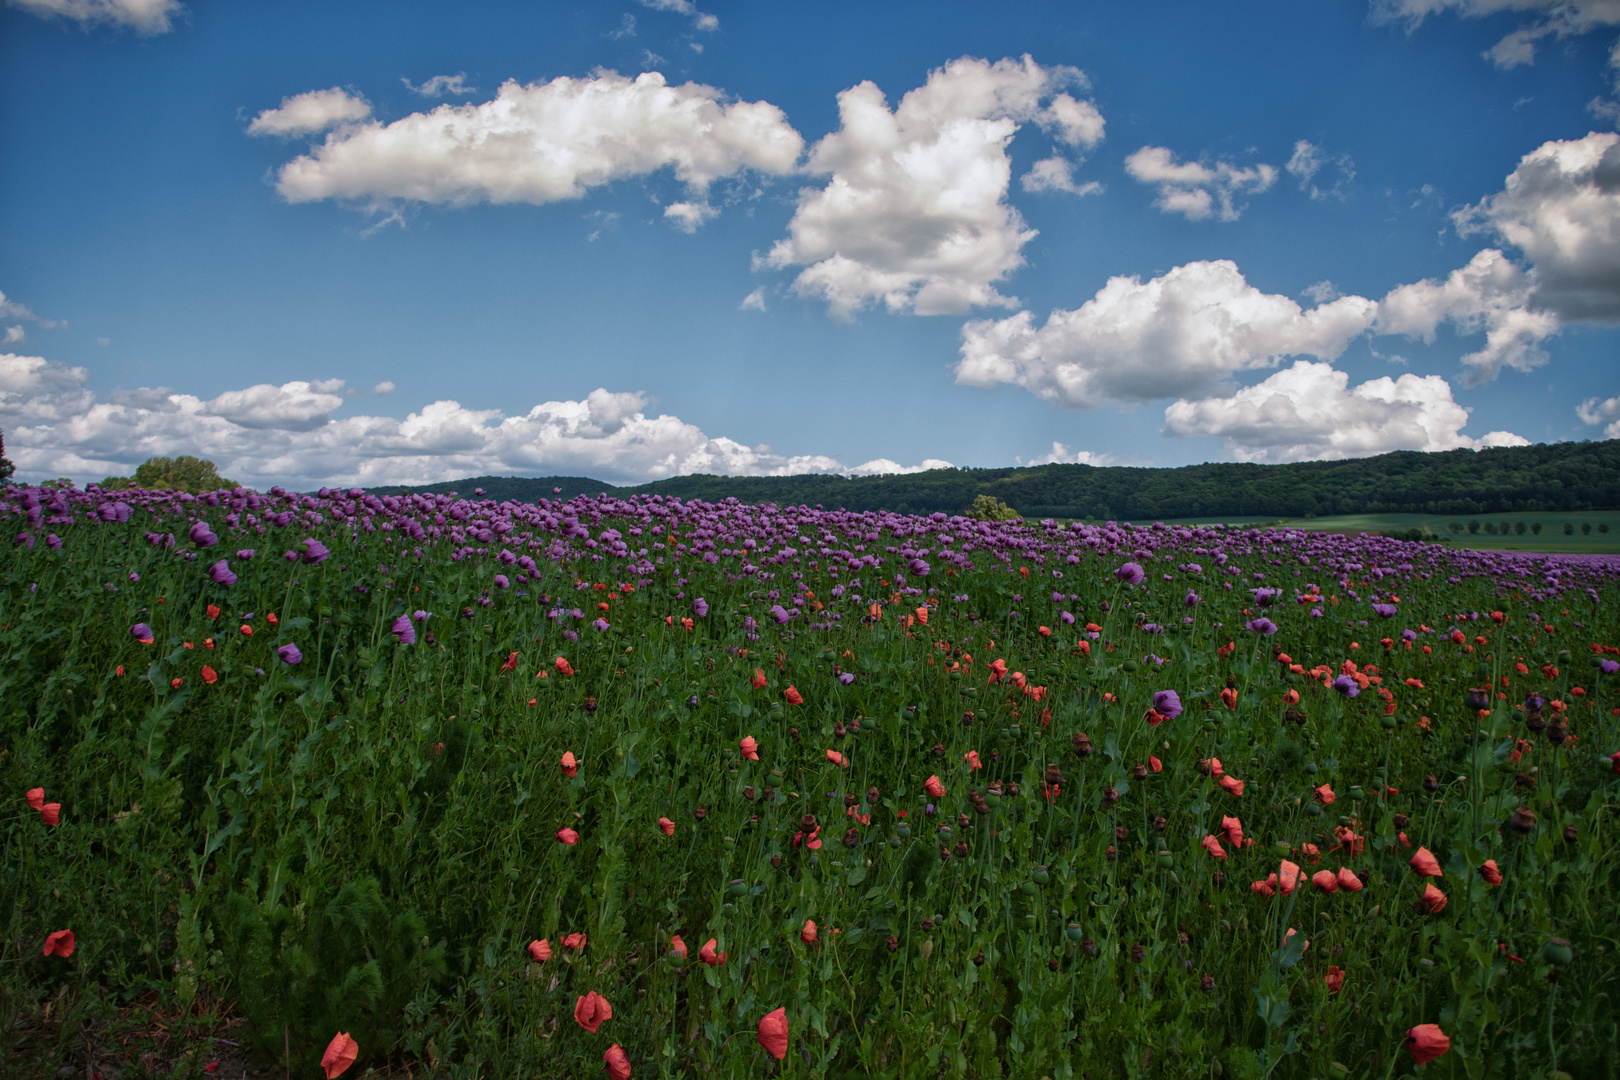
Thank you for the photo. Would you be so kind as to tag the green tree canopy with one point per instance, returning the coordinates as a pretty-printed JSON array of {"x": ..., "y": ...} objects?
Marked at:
[{"x": 184, "y": 473}]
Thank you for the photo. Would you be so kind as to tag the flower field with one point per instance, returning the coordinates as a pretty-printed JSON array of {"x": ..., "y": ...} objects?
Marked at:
[{"x": 656, "y": 789}]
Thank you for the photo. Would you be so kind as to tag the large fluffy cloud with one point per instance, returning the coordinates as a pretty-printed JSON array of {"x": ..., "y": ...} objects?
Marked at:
[
  {"x": 142, "y": 16},
  {"x": 1177, "y": 335},
  {"x": 541, "y": 142},
  {"x": 1561, "y": 207},
  {"x": 1196, "y": 190},
  {"x": 55, "y": 426},
  {"x": 1308, "y": 412},
  {"x": 1491, "y": 293},
  {"x": 305, "y": 114},
  {"x": 914, "y": 214}
]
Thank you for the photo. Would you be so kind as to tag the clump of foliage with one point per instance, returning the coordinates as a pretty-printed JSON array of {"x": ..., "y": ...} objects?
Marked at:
[
  {"x": 184, "y": 473},
  {"x": 990, "y": 508}
]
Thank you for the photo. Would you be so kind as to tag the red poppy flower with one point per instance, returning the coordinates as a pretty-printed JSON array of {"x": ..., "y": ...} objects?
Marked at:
[
  {"x": 709, "y": 956},
  {"x": 667, "y": 825},
  {"x": 1213, "y": 846},
  {"x": 60, "y": 944},
  {"x": 591, "y": 1011},
  {"x": 1334, "y": 979},
  {"x": 1325, "y": 794},
  {"x": 972, "y": 758},
  {"x": 934, "y": 788},
  {"x": 51, "y": 813},
  {"x": 1210, "y": 766},
  {"x": 1232, "y": 829},
  {"x": 1425, "y": 863},
  {"x": 677, "y": 946},
  {"x": 340, "y": 1052},
  {"x": 563, "y": 666},
  {"x": 568, "y": 836},
  {"x": 36, "y": 798},
  {"x": 759, "y": 681},
  {"x": 749, "y": 747},
  {"x": 618, "y": 1065},
  {"x": 540, "y": 951},
  {"x": 773, "y": 1033},
  {"x": 1229, "y": 698},
  {"x": 1233, "y": 785},
  {"x": 808, "y": 933},
  {"x": 568, "y": 764},
  {"x": 511, "y": 662},
  {"x": 1326, "y": 881},
  {"x": 1291, "y": 697},
  {"x": 1490, "y": 873},
  {"x": 1290, "y": 876},
  {"x": 247, "y": 631},
  {"x": 574, "y": 942},
  {"x": 1427, "y": 1042},
  {"x": 1433, "y": 899},
  {"x": 1348, "y": 880},
  {"x": 1154, "y": 764},
  {"x": 213, "y": 611},
  {"x": 837, "y": 759},
  {"x": 209, "y": 675},
  {"x": 793, "y": 696}
]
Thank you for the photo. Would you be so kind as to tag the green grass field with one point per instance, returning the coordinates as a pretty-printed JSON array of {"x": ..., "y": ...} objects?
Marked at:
[{"x": 1552, "y": 537}]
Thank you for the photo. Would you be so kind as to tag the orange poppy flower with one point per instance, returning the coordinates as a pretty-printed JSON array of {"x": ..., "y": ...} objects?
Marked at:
[
  {"x": 1233, "y": 785},
  {"x": 36, "y": 798},
  {"x": 1325, "y": 794},
  {"x": 934, "y": 788},
  {"x": 1326, "y": 881},
  {"x": 1348, "y": 880},
  {"x": 1433, "y": 899},
  {"x": 51, "y": 813},
  {"x": 759, "y": 681},
  {"x": 808, "y": 933},
  {"x": 1213, "y": 846},
  {"x": 793, "y": 696},
  {"x": 618, "y": 1065},
  {"x": 574, "y": 942},
  {"x": 677, "y": 946},
  {"x": 837, "y": 759},
  {"x": 1291, "y": 697},
  {"x": 972, "y": 758},
  {"x": 1334, "y": 979},
  {"x": 1290, "y": 877},
  {"x": 1229, "y": 698},
  {"x": 709, "y": 956},
  {"x": 1490, "y": 872},
  {"x": 340, "y": 1054},
  {"x": 749, "y": 748},
  {"x": 568, "y": 764},
  {"x": 209, "y": 675},
  {"x": 568, "y": 836},
  {"x": 667, "y": 825},
  {"x": 773, "y": 1033},
  {"x": 1426, "y": 1042},
  {"x": 540, "y": 951},
  {"x": 591, "y": 1011},
  {"x": 1425, "y": 863},
  {"x": 1232, "y": 829}
]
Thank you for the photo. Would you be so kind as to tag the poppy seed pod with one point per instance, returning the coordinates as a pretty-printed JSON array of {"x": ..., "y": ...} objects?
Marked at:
[
  {"x": 1081, "y": 745},
  {"x": 1477, "y": 698},
  {"x": 1523, "y": 821},
  {"x": 700, "y": 812},
  {"x": 1571, "y": 834},
  {"x": 1140, "y": 772},
  {"x": 1431, "y": 783},
  {"x": 1110, "y": 795},
  {"x": 1557, "y": 731}
]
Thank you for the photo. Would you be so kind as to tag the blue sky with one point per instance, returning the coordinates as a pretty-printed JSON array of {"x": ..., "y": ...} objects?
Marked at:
[{"x": 392, "y": 243}]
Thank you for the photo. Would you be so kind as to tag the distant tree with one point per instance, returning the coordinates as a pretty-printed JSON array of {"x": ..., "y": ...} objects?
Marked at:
[
  {"x": 184, "y": 473},
  {"x": 1473, "y": 526},
  {"x": 1569, "y": 529},
  {"x": 1455, "y": 526},
  {"x": 1519, "y": 527},
  {"x": 6, "y": 467},
  {"x": 1604, "y": 527},
  {"x": 990, "y": 508},
  {"x": 1586, "y": 528},
  {"x": 1536, "y": 528},
  {"x": 1490, "y": 528}
]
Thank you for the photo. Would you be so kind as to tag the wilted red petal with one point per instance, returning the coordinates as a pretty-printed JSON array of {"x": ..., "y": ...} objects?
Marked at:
[
  {"x": 773, "y": 1033},
  {"x": 340, "y": 1054},
  {"x": 1490, "y": 872}
]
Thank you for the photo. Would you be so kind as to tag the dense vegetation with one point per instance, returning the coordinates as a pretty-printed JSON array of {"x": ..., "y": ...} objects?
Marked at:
[
  {"x": 797, "y": 793},
  {"x": 1519, "y": 479}
]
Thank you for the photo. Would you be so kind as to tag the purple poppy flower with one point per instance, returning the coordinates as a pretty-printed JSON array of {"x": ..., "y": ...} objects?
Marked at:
[
  {"x": 141, "y": 632},
  {"x": 1131, "y": 574},
  {"x": 245, "y": 554},
  {"x": 221, "y": 573},
  {"x": 780, "y": 612},
  {"x": 1192, "y": 599},
  {"x": 1167, "y": 703},
  {"x": 1385, "y": 611},
  {"x": 1262, "y": 625},
  {"x": 53, "y": 541},
  {"x": 1609, "y": 667},
  {"x": 919, "y": 568},
  {"x": 1347, "y": 686},
  {"x": 502, "y": 581},
  {"x": 1265, "y": 597},
  {"x": 202, "y": 535},
  {"x": 290, "y": 556},
  {"x": 315, "y": 551},
  {"x": 700, "y": 607},
  {"x": 1408, "y": 635},
  {"x": 1535, "y": 703},
  {"x": 846, "y": 678},
  {"x": 289, "y": 654},
  {"x": 403, "y": 630},
  {"x": 421, "y": 616},
  {"x": 1066, "y": 618},
  {"x": 601, "y": 624}
]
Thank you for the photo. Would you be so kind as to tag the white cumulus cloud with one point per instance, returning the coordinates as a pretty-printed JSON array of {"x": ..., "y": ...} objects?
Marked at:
[
  {"x": 1056, "y": 173},
  {"x": 262, "y": 435},
  {"x": 914, "y": 214},
  {"x": 1178, "y": 335},
  {"x": 1561, "y": 207},
  {"x": 1595, "y": 412},
  {"x": 1195, "y": 190},
  {"x": 142, "y": 16},
  {"x": 1492, "y": 293},
  {"x": 305, "y": 114},
  {"x": 10, "y": 309},
  {"x": 440, "y": 85},
  {"x": 1060, "y": 454},
  {"x": 1309, "y": 412},
  {"x": 684, "y": 7},
  {"x": 754, "y": 301},
  {"x": 542, "y": 142}
]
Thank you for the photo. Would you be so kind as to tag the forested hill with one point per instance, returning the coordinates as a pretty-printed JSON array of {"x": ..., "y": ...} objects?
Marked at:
[{"x": 1559, "y": 476}]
